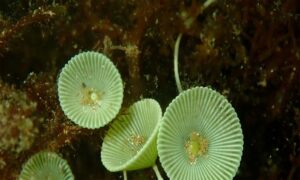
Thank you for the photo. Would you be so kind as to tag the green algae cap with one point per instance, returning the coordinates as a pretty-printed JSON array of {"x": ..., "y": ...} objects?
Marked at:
[
  {"x": 130, "y": 143},
  {"x": 46, "y": 165},
  {"x": 90, "y": 90},
  {"x": 200, "y": 137}
]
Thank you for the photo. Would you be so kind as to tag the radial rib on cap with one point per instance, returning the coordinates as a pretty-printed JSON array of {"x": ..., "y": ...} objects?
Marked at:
[
  {"x": 90, "y": 90},
  {"x": 130, "y": 143},
  {"x": 46, "y": 165},
  {"x": 200, "y": 137}
]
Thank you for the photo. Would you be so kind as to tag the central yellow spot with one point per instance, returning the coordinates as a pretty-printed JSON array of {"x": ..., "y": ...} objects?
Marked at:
[
  {"x": 195, "y": 147},
  {"x": 136, "y": 142},
  {"x": 91, "y": 96}
]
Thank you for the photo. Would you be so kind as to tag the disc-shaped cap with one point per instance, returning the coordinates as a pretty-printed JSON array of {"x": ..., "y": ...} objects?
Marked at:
[
  {"x": 90, "y": 90},
  {"x": 130, "y": 143},
  {"x": 200, "y": 137},
  {"x": 46, "y": 165}
]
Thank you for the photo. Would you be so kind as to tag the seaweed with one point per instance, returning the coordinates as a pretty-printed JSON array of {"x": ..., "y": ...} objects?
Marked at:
[{"x": 247, "y": 50}]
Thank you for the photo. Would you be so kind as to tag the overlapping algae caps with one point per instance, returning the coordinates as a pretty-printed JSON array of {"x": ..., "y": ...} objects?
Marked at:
[
  {"x": 200, "y": 137},
  {"x": 90, "y": 90},
  {"x": 130, "y": 143},
  {"x": 46, "y": 165}
]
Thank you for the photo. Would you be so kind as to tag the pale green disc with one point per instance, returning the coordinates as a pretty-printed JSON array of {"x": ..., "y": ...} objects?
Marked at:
[
  {"x": 207, "y": 113},
  {"x": 90, "y": 90},
  {"x": 46, "y": 165},
  {"x": 130, "y": 143}
]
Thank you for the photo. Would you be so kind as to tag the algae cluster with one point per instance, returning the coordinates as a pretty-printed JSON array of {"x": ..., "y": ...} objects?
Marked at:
[{"x": 247, "y": 50}]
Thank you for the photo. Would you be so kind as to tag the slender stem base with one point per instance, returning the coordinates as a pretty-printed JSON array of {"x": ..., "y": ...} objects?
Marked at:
[
  {"x": 124, "y": 175},
  {"x": 159, "y": 177}
]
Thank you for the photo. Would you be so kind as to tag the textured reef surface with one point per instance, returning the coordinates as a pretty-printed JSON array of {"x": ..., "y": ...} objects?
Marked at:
[{"x": 248, "y": 50}]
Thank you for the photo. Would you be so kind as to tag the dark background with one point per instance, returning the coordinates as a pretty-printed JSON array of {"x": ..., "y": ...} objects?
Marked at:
[{"x": 247, "y": 50}]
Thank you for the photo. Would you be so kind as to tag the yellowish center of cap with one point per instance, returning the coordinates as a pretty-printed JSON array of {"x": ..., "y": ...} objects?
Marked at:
[
  {"x": 136, "y": 142},
  {"x": 195, "y": 146},
  {"x": 91, "y": 97}
]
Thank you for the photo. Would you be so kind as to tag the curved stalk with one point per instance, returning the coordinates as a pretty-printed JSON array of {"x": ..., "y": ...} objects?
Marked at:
[{"x": 176, "y": 53}]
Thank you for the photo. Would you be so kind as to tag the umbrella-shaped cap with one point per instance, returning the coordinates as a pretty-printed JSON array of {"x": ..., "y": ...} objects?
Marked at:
[
  {"x": 90, "y": 90},
  {"x": 130, "y": 143},
  {"x": 200, "y": 137},
  {"x": 46, "y": 165}
]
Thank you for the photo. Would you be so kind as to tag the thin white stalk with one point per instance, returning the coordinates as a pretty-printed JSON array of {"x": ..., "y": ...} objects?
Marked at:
[
  {"x": 159, "y": 177},
  {"x": 176, "y": 53},
  {"x": 124, "y": 175},
  {"x": 208, "y": 3}
]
